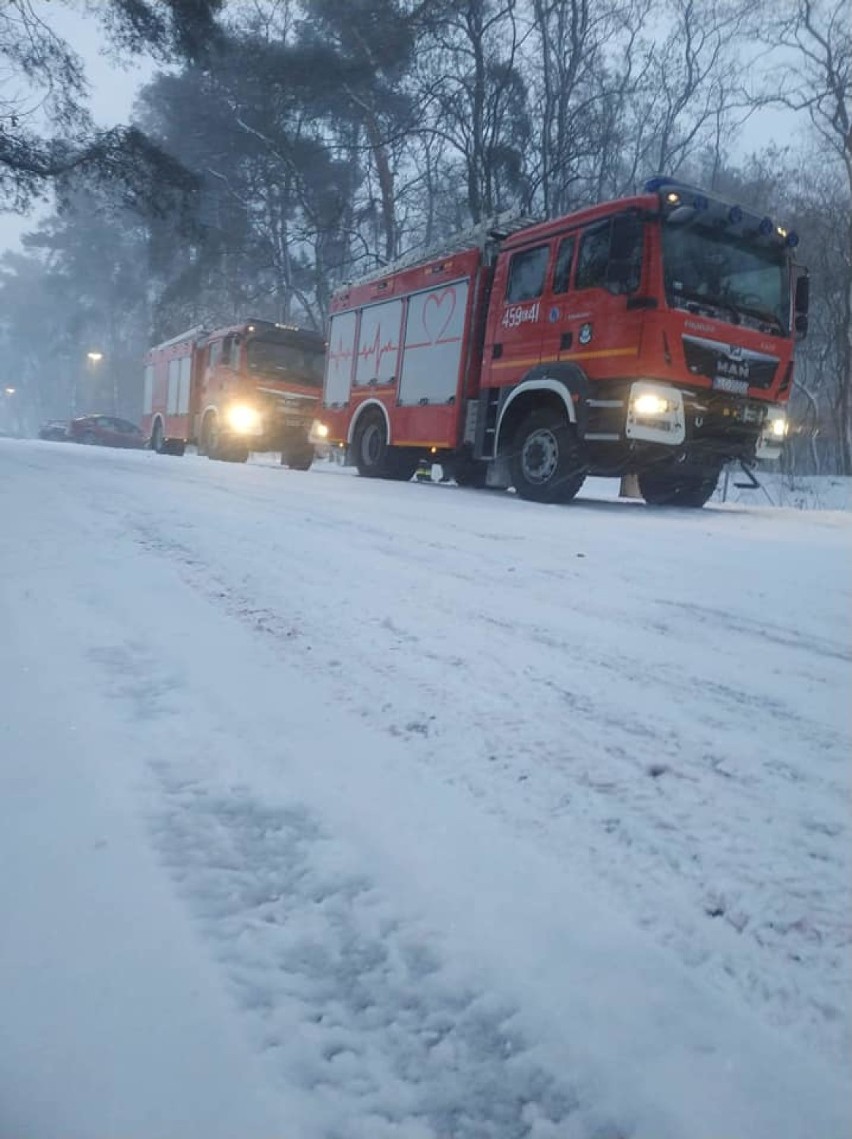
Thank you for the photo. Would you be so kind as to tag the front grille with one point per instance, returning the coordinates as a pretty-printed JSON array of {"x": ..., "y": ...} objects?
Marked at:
[
  {"x": 719, "y": 417},
  {"x": 715, "y": 360}
]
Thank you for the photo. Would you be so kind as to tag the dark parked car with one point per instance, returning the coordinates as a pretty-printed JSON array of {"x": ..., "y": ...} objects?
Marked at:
[
  {"x": 106, "y": 431},
  {"x": 56, "y": 430}
]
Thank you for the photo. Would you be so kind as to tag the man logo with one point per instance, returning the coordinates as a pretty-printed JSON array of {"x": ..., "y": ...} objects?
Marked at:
[{"x": 585, "y": 334}]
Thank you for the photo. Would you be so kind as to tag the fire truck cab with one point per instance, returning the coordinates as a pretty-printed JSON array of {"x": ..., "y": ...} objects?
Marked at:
[
  {"x": 247, "y": 387},
  {"x": 652, "y": 335}
]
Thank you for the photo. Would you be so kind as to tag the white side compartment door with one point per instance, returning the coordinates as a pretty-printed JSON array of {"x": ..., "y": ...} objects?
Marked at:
[
  {"x": 434, "y": 334},
  {"x": 378, "y": 344},
  {"x": 184, "y": 385},
  {"x": 338, "y": 361}
]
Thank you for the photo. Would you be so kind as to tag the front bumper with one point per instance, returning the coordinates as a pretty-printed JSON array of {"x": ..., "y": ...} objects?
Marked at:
[{"x": 708, "y": 427}]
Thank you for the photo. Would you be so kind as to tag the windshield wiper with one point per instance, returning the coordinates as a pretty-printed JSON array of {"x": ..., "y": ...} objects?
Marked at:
[
  {"x": 691, "y": 297},
  {"x": 762, "y": 314}
]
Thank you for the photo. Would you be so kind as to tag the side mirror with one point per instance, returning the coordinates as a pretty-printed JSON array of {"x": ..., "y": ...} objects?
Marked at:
[
  {"x": 801, "y": 325},
  {"x": 803, "y": 296}
]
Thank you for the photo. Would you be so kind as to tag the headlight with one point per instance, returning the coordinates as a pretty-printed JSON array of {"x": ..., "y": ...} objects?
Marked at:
[
  {"x": 243, "y": 419},
  {"x": 650, "y": 405},
  {"x": 655, "y": 414},
  {"x": 778, "y": 427},
  {"x": 321, "y": 430}
]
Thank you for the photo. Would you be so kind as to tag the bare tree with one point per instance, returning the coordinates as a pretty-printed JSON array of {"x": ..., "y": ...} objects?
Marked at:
[
  {"x": 474, "y": 97},
  {"x": 46, "y": 132},
  {"x": 813, "y": 42}
]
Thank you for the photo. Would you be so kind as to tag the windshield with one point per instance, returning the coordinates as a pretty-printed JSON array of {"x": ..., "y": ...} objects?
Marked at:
[
  {"x": 718, "y": 271},
  {"x": 279, "y": 361}
]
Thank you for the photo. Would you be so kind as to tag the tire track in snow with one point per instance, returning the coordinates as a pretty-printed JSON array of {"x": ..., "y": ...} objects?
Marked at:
[
  {"x": 353, "y": 1003},
  {"x": 350, "y": 1001}
]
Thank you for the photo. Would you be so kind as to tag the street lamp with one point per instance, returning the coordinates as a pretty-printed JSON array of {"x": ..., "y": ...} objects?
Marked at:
[
  {"x": 94, "y": 357},
  {"x": 10, "y": 390}
]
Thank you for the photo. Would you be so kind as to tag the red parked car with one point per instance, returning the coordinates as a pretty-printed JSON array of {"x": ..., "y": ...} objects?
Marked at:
[{"x": 105, "y": 431}]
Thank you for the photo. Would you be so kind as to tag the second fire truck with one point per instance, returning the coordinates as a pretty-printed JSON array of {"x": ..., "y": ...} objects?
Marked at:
[
  {"x": 248, "y": 387},
  {"x": 651, "y": 336}
]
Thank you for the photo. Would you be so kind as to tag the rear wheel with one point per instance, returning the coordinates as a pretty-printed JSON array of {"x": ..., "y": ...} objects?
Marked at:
[
  {"x": 671, "y": 485},
  {"x": 545, "y": 458},
  {"x": 471, "y": 473},
  {"x": 157, "y": 436},
  {"x": 371, "y": 445},
  {"x": 400, "y": 464},
  {"x": 374, "y": 458}
]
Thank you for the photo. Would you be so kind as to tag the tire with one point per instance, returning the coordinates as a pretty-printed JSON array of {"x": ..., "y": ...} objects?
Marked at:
[
  {"x": 471, "y": 474},
  {"x": 371, "y": 446},
  {"x": 545, "y": 460},
  {"x": 204, "y": 435},
  {"x": 157, "y": 437},
  {"x": 669, "y": 485},
  {"x": 374, "y": 458},
  {"x": 231, "y": 453},
  {"x": 400, "y": 464},
  {"x": 222, "y": 448},
  {"x": 298, "y": 460},
  {"x": 89, "y": 438}
]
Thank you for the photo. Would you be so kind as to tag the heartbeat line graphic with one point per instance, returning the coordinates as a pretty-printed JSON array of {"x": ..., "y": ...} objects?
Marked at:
[
  {"x": 378, "y": 349},
  {"x": 341, "y": 354}
]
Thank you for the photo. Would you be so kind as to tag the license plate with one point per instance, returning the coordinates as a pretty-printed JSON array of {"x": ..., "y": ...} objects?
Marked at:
[{"x": 729, "y": 384}]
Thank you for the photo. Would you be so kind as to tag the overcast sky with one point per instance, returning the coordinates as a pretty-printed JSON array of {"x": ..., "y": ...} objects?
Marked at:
[{"x": 113, "y": 90}]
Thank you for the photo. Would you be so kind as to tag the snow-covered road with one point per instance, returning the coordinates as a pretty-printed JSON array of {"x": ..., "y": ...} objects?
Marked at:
[{"x": 341, "y": 809}]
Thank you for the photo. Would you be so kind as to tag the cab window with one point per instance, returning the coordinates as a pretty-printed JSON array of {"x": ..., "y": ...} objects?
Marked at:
[
  {"x": 593, "y": 258},
  {"x": 562, "y": 269},
  {"x": 610, "y": 255},
  {"x": 526, "y": 274},
  {"x": 231, "y": 351}
]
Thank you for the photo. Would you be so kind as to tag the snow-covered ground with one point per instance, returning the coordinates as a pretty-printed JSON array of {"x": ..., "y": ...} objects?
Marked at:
[{"x": 339, "y": 809}]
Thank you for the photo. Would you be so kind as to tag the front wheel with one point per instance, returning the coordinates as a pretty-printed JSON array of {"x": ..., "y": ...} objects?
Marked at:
[
  {"x": 222, "y": 447},
  {"x": 545, "y": 459},
  {"x": 157, "y": 437},
  {"x": 298, "y": 460},
  {"x": 669, "y": 485}
]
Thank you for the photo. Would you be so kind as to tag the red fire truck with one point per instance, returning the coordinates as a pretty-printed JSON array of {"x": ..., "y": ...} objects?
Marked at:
[
  {"x": 248, "y": 387},
  {"x": 650, "y": 336}
]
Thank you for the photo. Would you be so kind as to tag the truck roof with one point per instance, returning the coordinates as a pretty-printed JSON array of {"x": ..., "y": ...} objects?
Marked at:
[
  {"x": 584, "y": 216},
  {"x": 199, "y": 334}
]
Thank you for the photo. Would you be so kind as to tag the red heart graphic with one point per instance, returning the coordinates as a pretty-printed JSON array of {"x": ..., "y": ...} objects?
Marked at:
[{"x": 438, "y": 310}]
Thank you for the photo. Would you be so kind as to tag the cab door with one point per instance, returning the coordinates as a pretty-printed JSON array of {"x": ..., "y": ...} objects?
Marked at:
[
  {"x": 593, "y": 316},
  {"x": 513, "y": 334},
  {"x": 559, "y": 323}
]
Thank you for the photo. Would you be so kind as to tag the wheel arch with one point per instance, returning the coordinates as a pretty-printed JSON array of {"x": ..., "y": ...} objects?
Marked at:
[
  {"x": 157, "y": 418},
  {"x": 368, "y": 403},
  {"x": 561, "y": 386}
]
